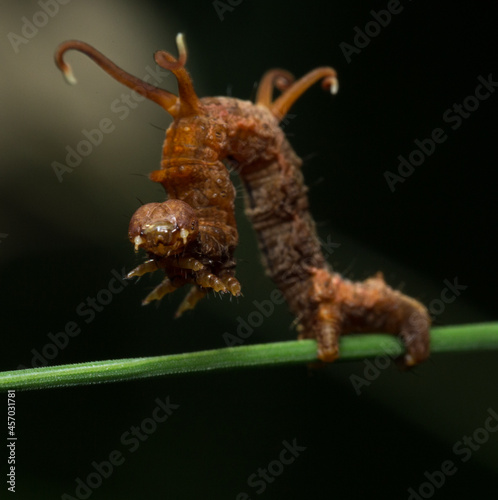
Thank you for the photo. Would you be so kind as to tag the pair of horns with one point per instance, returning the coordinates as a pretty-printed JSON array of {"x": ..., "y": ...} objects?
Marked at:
[{"x": 187, "y": 102}]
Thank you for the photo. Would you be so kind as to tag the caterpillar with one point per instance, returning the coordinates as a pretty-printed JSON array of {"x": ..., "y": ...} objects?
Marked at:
[{"x": 192, "y": 235}]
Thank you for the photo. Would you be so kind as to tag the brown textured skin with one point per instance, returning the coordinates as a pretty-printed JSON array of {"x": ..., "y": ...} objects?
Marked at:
[
  {"x": 193, "y": 234},
  {"x": 277, "y": 204},
  {"x": 195, "y": 175},
  {"x": 192, "y": 171}
]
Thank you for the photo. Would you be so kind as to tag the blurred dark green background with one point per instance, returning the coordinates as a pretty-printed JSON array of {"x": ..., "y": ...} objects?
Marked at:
[{"x": 61, "y": 241}]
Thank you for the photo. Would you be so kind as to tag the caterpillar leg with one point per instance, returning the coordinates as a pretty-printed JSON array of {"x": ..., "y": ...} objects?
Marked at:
[
  {"x": 166, "y": 286},
  {"x": 189, "y": 263},
  {"x": 231, "y": 283},
  {"x": 339, "y": 306},
  {"x": 328, "y": 335},
  {"x": 148, "y": 266},
  {"x": 190, "y": 301},
  {"x": 324, "y": 321},
  {"x": 206, "y": 279},
  {"x": 224, "y": 282},
  {"x": 373, "y": 306}
]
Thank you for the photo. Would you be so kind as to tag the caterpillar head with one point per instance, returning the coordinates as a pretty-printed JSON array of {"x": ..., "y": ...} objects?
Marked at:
[{"x": 163, "y": 229}]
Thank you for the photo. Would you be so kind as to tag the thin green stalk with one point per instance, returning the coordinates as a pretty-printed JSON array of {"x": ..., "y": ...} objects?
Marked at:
[{"x": 472, "y": 337}]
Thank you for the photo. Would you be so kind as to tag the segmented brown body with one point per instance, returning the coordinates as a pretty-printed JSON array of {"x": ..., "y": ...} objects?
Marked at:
[{"x": 193, "y": 234}]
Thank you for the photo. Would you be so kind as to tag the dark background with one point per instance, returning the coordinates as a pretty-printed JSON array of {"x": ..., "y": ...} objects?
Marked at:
[{"x": 64, "y": 239}]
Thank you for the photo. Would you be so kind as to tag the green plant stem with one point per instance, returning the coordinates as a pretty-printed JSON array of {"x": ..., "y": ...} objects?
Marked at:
[{"x": 472, "y": 337}]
